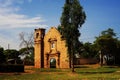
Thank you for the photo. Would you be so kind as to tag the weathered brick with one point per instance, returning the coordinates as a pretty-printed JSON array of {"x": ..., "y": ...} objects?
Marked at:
[{"x": 50, "y": 46}]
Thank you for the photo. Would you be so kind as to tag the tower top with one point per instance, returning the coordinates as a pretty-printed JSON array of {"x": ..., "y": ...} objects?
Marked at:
[{"x": 39, "y": 29}]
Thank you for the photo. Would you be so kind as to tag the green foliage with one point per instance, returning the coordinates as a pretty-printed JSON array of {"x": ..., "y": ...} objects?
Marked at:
[
  {"x": 108, "y": 33},
  {"x": 72, "y": 18},
  {"x": 2, "y": 56},
  {"x": 1, "y": 50},
  {"x": 77, "y": 14},
  {"x": 89, "y": 51},
  {"x": 22, "y": 50},
  {"x": 29, "y": 60},
  {"x": 117, "y": 54},
  {"x": 11, "y": 54},
  {"x": 106, "y": 42},
  {"x": 86, "y": 50}
]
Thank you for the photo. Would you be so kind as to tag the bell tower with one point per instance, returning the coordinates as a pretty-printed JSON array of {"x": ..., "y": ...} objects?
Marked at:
[{"x": 39, "y": 47}]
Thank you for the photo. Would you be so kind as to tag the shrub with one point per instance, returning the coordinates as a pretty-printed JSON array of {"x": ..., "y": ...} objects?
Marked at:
[{"x": 11, "y": 68}]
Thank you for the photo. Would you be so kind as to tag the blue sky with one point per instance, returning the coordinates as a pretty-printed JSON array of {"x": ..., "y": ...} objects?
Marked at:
[{"x": 18, "y": 16}]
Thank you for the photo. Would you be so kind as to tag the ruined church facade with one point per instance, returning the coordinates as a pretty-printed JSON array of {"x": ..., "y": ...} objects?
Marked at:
[{"x": 50, "y": 50}]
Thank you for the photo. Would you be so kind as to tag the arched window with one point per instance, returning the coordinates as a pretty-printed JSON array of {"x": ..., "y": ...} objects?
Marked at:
[
  {"x": 52, "y": 45},
  {"x": 37, "y": 35}
]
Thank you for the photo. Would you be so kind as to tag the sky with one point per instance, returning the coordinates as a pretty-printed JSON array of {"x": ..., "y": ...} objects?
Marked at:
[{"x": 18, "y": 16}]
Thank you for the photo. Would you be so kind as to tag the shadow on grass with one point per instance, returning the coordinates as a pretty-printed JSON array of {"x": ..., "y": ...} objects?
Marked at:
[
  {"x": 50, "y": 70},
  {"x": 81, "y": 66},
  {"x": 80, "y": 70},
  {"x": 96, "y": 71}
]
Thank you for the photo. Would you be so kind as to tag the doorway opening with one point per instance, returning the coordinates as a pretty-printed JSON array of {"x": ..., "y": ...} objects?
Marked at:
[{"x": 52, "y": 63}]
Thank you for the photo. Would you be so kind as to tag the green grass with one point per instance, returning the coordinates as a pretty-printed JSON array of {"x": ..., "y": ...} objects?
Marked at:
[{"x": 104, "y": 73}]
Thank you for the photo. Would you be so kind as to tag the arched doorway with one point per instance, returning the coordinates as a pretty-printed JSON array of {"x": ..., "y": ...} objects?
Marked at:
[{"x": 52, "y": 63}]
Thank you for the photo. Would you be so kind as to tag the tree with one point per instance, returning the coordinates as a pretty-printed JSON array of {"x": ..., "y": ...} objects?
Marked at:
[
  {"x": 11, "y": 54},
  {"x": 106, "y": 43},
  {"x": 2, "y": 56},
  {"x": 26, "y": 55},
  {"x": 89, "y": 50},
  {"x": 26, "y": 39},
  {"x": 72, "y": 19},
  {"x": 117, "y": 55}
]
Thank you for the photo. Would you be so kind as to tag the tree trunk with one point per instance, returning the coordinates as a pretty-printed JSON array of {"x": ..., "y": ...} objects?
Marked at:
[
  {"x": 73, "y": 65},
  {"x": 101, "y": 59},
  {"x": 72, "y": 60}
]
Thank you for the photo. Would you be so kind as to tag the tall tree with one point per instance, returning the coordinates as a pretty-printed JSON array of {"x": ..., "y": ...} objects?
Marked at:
[{"x": 72, "y": 19}]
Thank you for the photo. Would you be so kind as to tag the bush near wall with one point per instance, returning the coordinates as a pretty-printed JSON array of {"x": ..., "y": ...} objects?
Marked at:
[{"x": 11, "y": 68}]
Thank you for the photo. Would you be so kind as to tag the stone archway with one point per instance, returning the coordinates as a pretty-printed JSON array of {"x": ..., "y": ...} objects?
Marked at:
[{"x": 52, "y": 63}]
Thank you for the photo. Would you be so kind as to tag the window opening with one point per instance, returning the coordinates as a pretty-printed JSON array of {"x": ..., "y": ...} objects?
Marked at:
[
  {"x": 37, "y": 35},
  {"x": 52, "y": 45}
]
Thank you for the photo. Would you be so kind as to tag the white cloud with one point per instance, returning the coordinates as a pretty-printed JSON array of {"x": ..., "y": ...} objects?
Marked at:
[
  {"x": 18, "y": 21},
  {"x": 10, "y": 17}
]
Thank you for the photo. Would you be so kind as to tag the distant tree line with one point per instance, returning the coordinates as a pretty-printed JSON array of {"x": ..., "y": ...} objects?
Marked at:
[
  {"x": 12, "y": 56},
  {"x": 23, "y": 56},
  {"x": 106, "y": 46}
]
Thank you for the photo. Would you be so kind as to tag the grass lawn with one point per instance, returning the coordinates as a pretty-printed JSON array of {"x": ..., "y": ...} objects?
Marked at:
[{"x": 86, "y": 73}]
